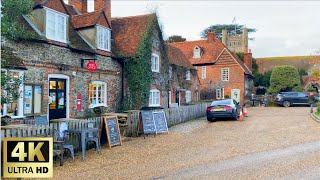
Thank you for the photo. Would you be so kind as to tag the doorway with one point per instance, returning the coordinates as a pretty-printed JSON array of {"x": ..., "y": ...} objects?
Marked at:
[{"x": 57, "y": 98}]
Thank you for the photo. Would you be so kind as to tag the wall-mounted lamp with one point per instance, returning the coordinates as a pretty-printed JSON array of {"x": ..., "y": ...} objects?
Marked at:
[{"x": 63, "y": 67}]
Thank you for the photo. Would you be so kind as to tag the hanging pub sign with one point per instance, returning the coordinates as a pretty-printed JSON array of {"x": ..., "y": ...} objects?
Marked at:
[{"x": 92, "y": 66}]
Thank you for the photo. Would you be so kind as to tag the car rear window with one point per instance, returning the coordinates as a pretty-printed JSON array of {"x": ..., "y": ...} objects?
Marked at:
[{"x": 222, "y": 102}]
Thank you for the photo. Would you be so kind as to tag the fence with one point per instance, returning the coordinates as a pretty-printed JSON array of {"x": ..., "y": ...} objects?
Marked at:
[
  {"x": 173, "y": 115},
  {"x": 31, "y": 130}
]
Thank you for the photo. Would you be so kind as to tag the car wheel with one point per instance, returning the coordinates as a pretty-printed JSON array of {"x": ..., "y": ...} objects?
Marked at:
[
  {"x": 286, "y": 103},
  {"x": 211, "y": 119},
  {"x": 234, "y": 116}
]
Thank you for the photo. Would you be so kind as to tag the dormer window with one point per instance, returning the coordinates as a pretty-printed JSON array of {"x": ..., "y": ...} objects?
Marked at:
[
  {"x": 197, "y": 52},
  {"x": 103, "y": 38},
  {"x": 90, "y": 5},
  {"x": 56, "y": 26}
]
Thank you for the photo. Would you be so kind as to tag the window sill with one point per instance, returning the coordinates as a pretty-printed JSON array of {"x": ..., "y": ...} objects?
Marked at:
[
  {"x": 17, "y": 117},
  {"x": 155, "y": 71},
  {"x": 97, "y": 105},
  {"x": 108, "y": 50},
  {"x": 154, "y": 105}
]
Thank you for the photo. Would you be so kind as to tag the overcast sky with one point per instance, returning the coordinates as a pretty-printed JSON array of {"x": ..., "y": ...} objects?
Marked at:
[{"x": 286, "y": 28}]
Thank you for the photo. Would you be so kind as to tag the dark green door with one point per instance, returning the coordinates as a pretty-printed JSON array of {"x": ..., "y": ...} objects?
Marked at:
[{"x": 57, "y": 96}]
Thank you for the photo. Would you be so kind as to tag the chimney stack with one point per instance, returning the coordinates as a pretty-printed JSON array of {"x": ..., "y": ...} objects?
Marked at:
[
  {"x": 210, "y": 36},
  {"x": 247, "y": 58}
]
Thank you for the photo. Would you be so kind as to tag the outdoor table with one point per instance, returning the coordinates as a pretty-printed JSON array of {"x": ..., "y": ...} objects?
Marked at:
[{"x": 82, "y": 132}]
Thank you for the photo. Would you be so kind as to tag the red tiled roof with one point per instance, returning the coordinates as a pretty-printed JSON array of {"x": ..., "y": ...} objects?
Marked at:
[
  {"x": 176, "y": 57},
  {"x": 127, "y": 33},
  {"x": 72, "y": 10},
  {"x": 85, "y": 20},
  {"x": 210, "y": 52},
  {"x": 39, "y": 2}
]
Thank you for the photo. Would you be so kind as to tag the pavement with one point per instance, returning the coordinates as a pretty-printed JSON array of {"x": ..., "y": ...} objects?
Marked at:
[{"x": 272, "y": 143}]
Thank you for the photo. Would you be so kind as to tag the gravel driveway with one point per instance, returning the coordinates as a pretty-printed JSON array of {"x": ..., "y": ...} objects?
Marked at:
[{"x": 272, "y": 143}]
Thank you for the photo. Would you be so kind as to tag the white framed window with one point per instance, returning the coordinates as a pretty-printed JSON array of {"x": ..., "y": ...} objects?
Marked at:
[
  {"x": 188, "y": 75},
  {"x": 155, "y": 63},
  {"x": 196, "y": 52},
  {"x": 97, "y": 94},
  {"x": 32, "y": 99},
  {"x": 13, "y": 106},
  {"x": 220, "y": 93},
  {"x": 103, "y": 38},
  {"x": 188, "y": 96},
  {"x": 225, "y": 74},
  {"x": 170, "y": 72},
  {"x": 66, "y": 1},
  {"x": 154, "y": 98},
  {"x": 56, "y": 26},
  {"x": 90, "y": 5},
  {"x": 204, "y": 72}
]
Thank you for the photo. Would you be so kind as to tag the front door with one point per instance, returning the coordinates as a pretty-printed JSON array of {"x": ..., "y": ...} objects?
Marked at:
[
  {"x": 57, "y": 98},
  {"x": 235, "y": 94}
]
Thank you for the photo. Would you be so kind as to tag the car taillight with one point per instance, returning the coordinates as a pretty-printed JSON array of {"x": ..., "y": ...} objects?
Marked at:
[
  {"x": 228, "y": 108},
  {"x": 209, "y": 108}
]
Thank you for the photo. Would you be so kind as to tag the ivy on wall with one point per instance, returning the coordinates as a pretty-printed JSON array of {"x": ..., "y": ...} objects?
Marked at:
[
  {"x": 11, "y": 21},
  {"x": 137, "y": 71}
]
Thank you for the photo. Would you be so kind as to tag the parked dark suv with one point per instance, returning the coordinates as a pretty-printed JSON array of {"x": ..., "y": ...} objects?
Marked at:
[{"x": 287, "y": 99}]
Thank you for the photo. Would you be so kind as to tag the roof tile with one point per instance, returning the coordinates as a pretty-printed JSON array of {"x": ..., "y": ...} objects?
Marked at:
[{"x": 128, "y": 31}]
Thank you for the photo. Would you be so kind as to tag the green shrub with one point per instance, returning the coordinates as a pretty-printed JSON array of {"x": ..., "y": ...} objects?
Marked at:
[
  {"x": 318, "y": 108},
  {"x": 283, "y": 79}
]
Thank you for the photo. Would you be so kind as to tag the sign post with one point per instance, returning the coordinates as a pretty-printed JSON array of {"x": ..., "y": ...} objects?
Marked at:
[{"x": 112, "y": 130}]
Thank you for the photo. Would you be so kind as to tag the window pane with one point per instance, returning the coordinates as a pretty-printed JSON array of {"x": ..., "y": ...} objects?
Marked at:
[
  {"x": 53, "y": 103},
  {"x": 61, "y": 25},
  {"x": 28, "y": 99},
  {"x": 61, "y": 100},
  {"x": 60, "y": 84},
  {"x": 37, "y": 99},
  {"x": 52, "y": 84},
  {"x": 50, "y": 30}
]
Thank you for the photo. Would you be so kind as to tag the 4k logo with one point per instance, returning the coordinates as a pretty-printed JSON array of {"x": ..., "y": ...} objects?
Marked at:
[{"x": 28, "y": 157}]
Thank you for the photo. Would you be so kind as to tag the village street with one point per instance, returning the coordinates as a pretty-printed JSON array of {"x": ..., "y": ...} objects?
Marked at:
[{"x": 272, "y": 143}]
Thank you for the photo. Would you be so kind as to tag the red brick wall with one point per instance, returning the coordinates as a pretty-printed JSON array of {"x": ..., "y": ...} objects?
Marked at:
[{"x": 213, "y": 75}]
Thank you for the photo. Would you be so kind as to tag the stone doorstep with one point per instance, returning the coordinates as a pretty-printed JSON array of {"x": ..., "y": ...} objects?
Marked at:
[{"x": 314, "y": 117}]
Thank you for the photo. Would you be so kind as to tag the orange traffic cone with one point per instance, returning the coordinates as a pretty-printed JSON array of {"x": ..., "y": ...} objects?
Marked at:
[
  {"x": 240, "y": 116},
  {"x": 245, "y": 112}
]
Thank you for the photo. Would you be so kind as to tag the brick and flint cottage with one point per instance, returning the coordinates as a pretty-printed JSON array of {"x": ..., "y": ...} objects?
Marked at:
[
  {"x": 69, "y": 35},
  {"x": 183, "y": 78},
  {"x": 138, "y": 42},
  {"x": 222, "y": 74}
]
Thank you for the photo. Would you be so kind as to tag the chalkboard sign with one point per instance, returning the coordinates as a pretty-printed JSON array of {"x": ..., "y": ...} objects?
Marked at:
[
  {"x": 148, "y": 122},
  {"x": 113, "y": 131},
  {"x": 160, "y": 121},
  {"x": 41, "y": 120}
]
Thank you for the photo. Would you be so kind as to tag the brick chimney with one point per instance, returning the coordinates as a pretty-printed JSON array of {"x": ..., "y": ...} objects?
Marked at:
[
  {"x": 82, "y": 5},
  {"x": 247, "y": 58},
  {"x": 210, "y": 36},
  {"x": 103, "y": 4}
]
